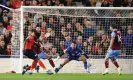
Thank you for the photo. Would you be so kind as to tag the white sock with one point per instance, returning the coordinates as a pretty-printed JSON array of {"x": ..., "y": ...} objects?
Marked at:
[{"x": 106, "y": 70}]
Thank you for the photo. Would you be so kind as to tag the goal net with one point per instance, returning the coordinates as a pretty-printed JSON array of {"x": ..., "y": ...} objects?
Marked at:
[
  {"x": 12, "y": 62},
  {"x": 89, "y": 26}
]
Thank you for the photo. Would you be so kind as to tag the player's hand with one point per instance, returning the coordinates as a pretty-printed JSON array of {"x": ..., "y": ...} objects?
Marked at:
[{"x": 108, "y": 50}]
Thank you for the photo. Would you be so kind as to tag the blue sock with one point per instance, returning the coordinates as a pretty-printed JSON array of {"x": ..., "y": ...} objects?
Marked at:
[{"x": 85, "y": 65}]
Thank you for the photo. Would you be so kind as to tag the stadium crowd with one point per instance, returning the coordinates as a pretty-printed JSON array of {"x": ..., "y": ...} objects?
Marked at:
[
  {"x": 92, "y": 35},
  {"x": 6, "y": 23},
  {"x": 93, "y": 3}
]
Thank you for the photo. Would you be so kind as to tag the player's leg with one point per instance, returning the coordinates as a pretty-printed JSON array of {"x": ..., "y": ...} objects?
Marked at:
[
  {"x": 51, "y": 62},
  {"x": 61, "y": 65},
  {"x": 41, "y": 64},
  {"x": 84, "y": 59},
  {"x": 32, "y": 55},
  {"x": 106, "y": 61},
  {"x": 43, "y": 55},
  {"x": 113, "y": 59}
]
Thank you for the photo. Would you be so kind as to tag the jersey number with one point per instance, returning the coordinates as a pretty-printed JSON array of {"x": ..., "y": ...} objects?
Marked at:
[{"x": 119, "y": 38}]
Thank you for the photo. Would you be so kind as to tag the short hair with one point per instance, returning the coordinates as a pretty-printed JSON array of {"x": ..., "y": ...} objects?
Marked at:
[
  {"x": 74, "y": 42},
  {"x": 113, "y": 25},
  {"x": 33, "y": 30}
]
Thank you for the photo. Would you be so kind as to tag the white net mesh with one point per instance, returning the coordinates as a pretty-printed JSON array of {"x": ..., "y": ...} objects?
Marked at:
[
  {"x": 88, "y": 26},
  {"x": 15, "y": 56}
]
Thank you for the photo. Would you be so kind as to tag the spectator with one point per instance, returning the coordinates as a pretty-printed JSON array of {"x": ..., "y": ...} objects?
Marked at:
[
  {"x": 74, "y": 36},
  {"x": 96, "y": 50},
  {"x": 2, "y": 28},
  {"x": 56, "y": 3},
  {"x": 8, "y": 50},
  {"x": 7, "y": 37},
  {"x": 34, "y": 3},
  {"x": 91, "y": 41},
  {"x": 128, "y": 3},
  {"x": 79, "y": 42},
  {"x": 54, "y": 52},
  {"x": 50, "y": 23},
  {"x": 5, "y": 21},
  {"x": 87, "y": 3},
  {"x": 117, "y": 3},
  {"x": 9, "y": 27},
  {"x": 61, "y": 48},
  {"x": 1, "y": 37},
  {"x": 2, "y": 48},
  {"x": 85, "y": 47},
  {"x": 62, "y": 21},
  {"x": 38, "y": 32},
  {"x": 88, "y": 30},
  {"x": 128, "y": 42},
  {"x": 129, "y": 27},
  {"x": 5, "y": 13},
  {"x": 43, "y": 26},
  {"x": 98, "y": 36},
  {"x": 69, "y": 29},
  {"x": 99, "y": 3},
  {"x": 79, "y": 29},
  {"x": 105, "y": 4},
  {"x": 90, "y": 50},
  {"x": 16, "y": 4},
  {"x": 42, "y": 36},
  {"x": 67, "y": 42},
  {"x": 69, "y": 3},
  {"x": 27, "y": 2},
  {"x": 51, "y": 37},
  {"x": 104, "y": 44}
]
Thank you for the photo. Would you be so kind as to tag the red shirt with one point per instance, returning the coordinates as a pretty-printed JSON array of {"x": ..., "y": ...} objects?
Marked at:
[
  {"x": 37, "y": 48},
  {"x": 29, "y": 42},
  {"x": 16, "y": 3},
  {"x": 9, "y": 28}
]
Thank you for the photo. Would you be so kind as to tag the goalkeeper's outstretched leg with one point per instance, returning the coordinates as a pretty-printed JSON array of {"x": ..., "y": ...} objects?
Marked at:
[{"x": 73, "y": 53}]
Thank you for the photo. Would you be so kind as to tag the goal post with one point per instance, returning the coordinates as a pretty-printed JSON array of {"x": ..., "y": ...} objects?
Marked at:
[
  {"x": 13, "y": 62},
  {"x": 81, "y": 24}
]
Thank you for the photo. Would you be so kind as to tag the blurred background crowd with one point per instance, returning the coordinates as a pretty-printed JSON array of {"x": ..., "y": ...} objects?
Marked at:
[{"x": 91, "y": 34}]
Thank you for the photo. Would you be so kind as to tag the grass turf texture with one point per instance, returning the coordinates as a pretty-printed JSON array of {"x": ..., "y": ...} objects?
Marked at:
[{"x": 66, "y": 77}]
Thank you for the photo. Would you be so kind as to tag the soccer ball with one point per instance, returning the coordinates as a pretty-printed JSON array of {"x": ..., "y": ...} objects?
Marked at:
[{"x": 49, "y": 71}]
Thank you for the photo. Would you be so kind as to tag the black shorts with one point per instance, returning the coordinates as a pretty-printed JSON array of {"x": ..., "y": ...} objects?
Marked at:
[{"x": 30, "y": 54}]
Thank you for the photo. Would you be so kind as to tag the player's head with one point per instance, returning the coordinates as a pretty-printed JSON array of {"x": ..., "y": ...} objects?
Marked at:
[
  {"x": 113, "y": 26},
  {"x": 31, "y": 33},
  {"x": 73, "y": 45}
]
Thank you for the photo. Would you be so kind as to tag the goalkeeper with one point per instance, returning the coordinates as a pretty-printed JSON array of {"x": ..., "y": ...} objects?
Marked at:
[{"x": 73, "y": 53}]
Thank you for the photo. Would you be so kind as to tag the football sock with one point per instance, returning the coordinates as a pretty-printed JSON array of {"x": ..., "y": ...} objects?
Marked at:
[
  {"x": 116, "y": 64},
  {"x": 41, "y": 64},
  {"x": 106, "y": 63},
  {"x": 85, "y": 65},
  {"x": 51, "y": 63},
  {"x": 28, "y": 68},
  {"x": 33, "y": 65}
]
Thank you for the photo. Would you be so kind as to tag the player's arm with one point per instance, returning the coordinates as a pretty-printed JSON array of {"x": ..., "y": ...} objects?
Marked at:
[
  {"x": 65, "y": 51},
  {"x": 82, "y": 52},
  {"x": 112, "y": 40}
]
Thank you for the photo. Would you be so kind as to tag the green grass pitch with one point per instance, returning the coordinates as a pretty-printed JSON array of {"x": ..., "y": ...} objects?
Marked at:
[{"x": 66, "y": 77}]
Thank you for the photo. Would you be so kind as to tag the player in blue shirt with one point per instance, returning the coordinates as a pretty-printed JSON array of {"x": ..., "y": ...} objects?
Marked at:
[{"x": 73, "y": 53}]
